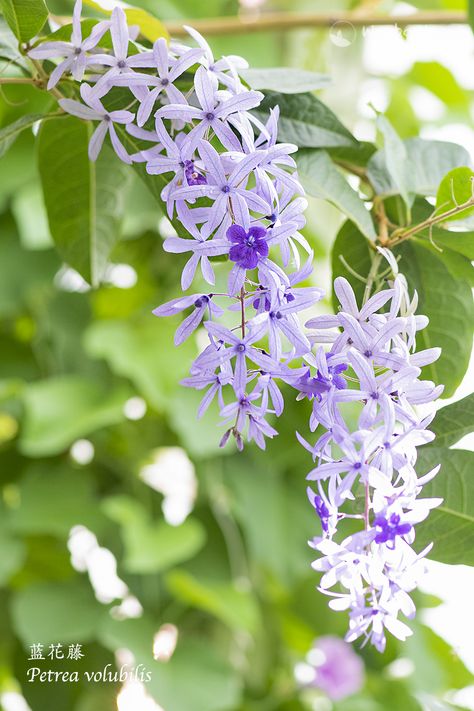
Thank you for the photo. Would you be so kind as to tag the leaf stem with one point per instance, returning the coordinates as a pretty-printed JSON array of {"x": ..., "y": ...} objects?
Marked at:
[{"x": 401, "y": 235}]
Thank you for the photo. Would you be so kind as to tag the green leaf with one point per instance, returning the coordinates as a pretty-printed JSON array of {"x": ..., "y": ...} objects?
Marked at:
[
  {"x": 286, "y": 80},
  {"x": 352, "y": 246},
  {"x": 454, "y": 421},
  {"x": 61, "y": 409},
  {"x": 84, "y": 200},
  {"x": 10, "y": 133},
  {"x": 448, "y": 303},
  {"x": 451, "y": 525},
  {"x": 440, "y": 81},
  {"x": 150, "y": 27},
  {"x": 133, "y": 350},
  {"x": 25, "y": 17},
  {"x": 306, "y": 121},
  {"x": 53, "y": 613},
  {"x": 9, "y": 47},
  {"x": 471, "y": 13},
  {"x": 322, "y": 179},
  {"x": 234, "y": 607},
  {"x": 152, "y": 547},
  {"x": 428, "y": 162},
  {"x": 396, "y": 159},
  {"x": 456, "y": 188}
]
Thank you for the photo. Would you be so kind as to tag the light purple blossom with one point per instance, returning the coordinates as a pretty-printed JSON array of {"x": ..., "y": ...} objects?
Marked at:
[
  {"x": 74, "y": 53},
  {"x": 93, "y": 110}
]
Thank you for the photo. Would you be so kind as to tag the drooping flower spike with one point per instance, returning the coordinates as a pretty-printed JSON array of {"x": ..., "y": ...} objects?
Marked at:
[{"x": 235, "y": 193}]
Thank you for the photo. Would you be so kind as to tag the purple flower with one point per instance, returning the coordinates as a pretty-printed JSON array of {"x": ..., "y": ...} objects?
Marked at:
[
  {"x": 201, "y": 251},
  {"x": 389, "y": 528},
  {"x": 203, "y": 305},
  {"x": 74, "y": 52},
  {"x": 93, "y": 110},
  {"x": 339, "y": 671},
  {"x": 248, "y": 246},
  {"x": 227, "y": 190},
  {"x": 118, "y": 62},
  {"x": 168, "y": 70},
  {"x": 213, "y": 112}
]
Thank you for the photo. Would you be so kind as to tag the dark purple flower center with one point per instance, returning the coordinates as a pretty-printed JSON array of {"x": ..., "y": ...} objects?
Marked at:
[
  {"x": 389, "y": 529},
  {"x": 358, "y": 465},
  {"x": 368, "y": 354},
  {"x": 226, "y": 189},
  {"x": 121, "y": 64},
  {"x": 210, "y": 116},
  {"x": 107, "y": 118},
  {"x": 241, "y": 347},
  {"x": 165, "y": 82},
  {"x": 202, "y": 301},
  {"x": 322, "y": 511},
  {"x": 248, "y": 246},
  {"x": 77, "y": 50}
]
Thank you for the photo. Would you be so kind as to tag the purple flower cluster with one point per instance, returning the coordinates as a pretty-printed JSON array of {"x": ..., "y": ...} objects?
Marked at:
[
  {"x": 232, "y": 188},
  {"x": 367, "y": 453},
  {"x": 234, "y": 191}
]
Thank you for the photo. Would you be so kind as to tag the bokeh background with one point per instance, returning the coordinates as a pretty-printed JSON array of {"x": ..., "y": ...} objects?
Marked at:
[{"x": 123, "y": 527}]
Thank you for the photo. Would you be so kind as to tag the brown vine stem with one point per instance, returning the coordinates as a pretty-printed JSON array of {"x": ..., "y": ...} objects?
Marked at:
[
  {"x": 18, "y": 80},
  {"x": 283, "y": 21},
  {"x": 401, "y": 235}
]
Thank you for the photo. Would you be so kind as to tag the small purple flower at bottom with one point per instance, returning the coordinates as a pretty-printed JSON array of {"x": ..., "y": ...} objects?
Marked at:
[
  {"x": 339, "y": 671},
  {"x": 248, "y": 247}
]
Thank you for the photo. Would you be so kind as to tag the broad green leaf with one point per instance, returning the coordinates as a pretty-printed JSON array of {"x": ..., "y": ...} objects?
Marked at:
[
  {"x": 9, "y": 49},
  {"x": 234, "y": 607},
  {"x": 198, "y": 676},
  {"x": 150, "y": 27},
  {"x": 352, "y": 246},
  {"x": 286, "y": 80},
  {"x": 135, "y": 350},
  {"x": 152, "y": 547},
  {"x": 53, "y": 613},
  {"x": 10, "y": 133},
  {"x": 396, "y": 159},
  {"x": 453, "y": 422},
  {"x": 471, "y": 13},
  {"x": 440, "y": 81},
  {"x": 25, "y": 17},
  {"x": 358, "y": 155},
  {"x": 456, "y": 188},
  {"x": 321, "y": 178},
  {"x": 74, "y": 502},
  {"x": 428, "y": 162},
  {"x": 84, "y": 200},
  {"x": 61, "y": 409},
  {"x": 448, "y": 303},
  {"x": 306, "y": 121},
  {"x": 451, "y": 525}
]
